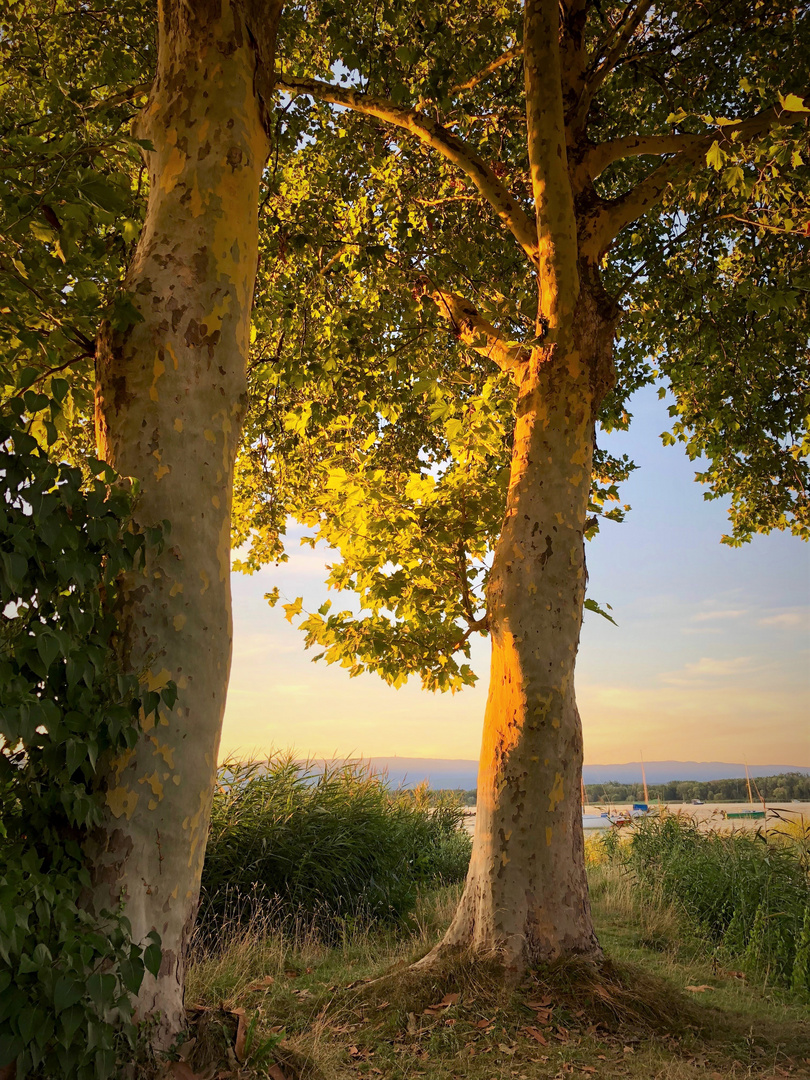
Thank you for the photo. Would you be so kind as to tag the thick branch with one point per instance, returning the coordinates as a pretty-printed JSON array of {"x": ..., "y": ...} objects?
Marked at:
[
  {"x": 599, "y": 157},
  {"x": 558, "y": 278},
  {"x": 619, "y": 213},
  {"x": 474, "y": 330},
  {"x": 484, "y": 73},
  {"x": 432, "y": 134}
]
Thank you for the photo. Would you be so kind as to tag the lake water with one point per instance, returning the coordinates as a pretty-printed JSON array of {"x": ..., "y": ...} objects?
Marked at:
[{"x": 709, "y": 815}]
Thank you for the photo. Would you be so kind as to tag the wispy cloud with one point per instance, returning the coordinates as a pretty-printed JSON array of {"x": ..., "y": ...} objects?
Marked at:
[
  {"x": 787, "y": 618},
  {"x": 713, "y": 616},
  {"x": 708, "y": 667}
]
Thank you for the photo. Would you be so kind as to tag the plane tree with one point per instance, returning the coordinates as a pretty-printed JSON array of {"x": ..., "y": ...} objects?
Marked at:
[
  {"x": 480, "y": 422},
  {"x": 149, "y": 229},
  {"x": 532, "y": 211}
]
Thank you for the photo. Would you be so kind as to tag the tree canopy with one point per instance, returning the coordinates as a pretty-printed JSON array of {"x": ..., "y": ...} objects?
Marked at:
[
  {"x": 386, "y": 327},
  {"x": 481, "y": 228}
]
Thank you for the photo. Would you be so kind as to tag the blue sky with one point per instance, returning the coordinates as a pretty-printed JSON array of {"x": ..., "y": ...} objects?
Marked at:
[{"x": 710, "y": 660}]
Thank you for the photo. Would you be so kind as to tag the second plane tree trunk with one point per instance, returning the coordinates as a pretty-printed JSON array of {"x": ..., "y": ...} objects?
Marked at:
[{"x": 526, "y": 896}]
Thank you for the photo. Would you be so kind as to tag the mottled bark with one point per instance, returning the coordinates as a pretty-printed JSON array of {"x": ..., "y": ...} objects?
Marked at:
[
  {"x": 170, "y": 396},
  {"x": 526, "y": 895}
]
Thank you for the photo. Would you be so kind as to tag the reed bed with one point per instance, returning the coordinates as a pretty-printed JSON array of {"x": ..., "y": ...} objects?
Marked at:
[
  {"x": 326, "y": 846},
  {"x": 748, "y": 894}
]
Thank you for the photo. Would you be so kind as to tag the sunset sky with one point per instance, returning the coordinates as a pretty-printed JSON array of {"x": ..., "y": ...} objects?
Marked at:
[{"x": 710, "y": 660}]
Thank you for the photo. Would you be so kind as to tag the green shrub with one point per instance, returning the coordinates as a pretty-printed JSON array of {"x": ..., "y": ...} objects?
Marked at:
[
  {"x": 749, "y": 895},
  {"x": 332, "y": 843},
  {"x": 63, "y": 706}
]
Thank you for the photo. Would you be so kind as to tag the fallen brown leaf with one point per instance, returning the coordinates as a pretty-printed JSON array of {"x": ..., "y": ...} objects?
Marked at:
[
  {"x": 537, "y": 1035},
  {"x": 481, "y": 1024},
  {"x": 181, "y": 1071},
  {"x": 183, "y": 1051},
  {"x": 543, "y": 1003},
  {"x": 699, "y": 989},
  {"x": 261, "y": 984},
  {"x": 275, "y": 1072},
  {"x": 241, "y": 1034},
  {"x": 440, "y": 1006},
  {"x": 506, "y": 1049}
]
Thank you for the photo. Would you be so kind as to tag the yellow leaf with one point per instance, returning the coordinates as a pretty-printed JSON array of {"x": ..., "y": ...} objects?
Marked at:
[{"x": 793, "y": 103}]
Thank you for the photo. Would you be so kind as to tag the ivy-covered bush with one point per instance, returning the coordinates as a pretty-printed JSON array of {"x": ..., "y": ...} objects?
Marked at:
[{"x": 65, "y": 979}]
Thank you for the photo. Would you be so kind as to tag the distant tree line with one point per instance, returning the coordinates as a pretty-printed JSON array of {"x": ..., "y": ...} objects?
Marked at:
[{"x": 781, "y": 788}]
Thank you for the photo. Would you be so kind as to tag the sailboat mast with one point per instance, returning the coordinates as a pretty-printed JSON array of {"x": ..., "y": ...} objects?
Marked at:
[
  {"x": 644, "y": 779},
  {"x": 748, "y": 782}
]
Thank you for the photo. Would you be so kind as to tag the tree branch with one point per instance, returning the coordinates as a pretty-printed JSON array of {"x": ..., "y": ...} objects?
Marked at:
[
  {"x": 473, "y": 623},
  {"x": 622, "y": 32},
  {"x": 432, "y": 134},
  {"x": 615, "y": 215},
  {"x": 484, "y": 73},
  {"x": 599, "y": 157},
  {"x": 558, "y": 277},
  {"x": 473, "y": 329}
]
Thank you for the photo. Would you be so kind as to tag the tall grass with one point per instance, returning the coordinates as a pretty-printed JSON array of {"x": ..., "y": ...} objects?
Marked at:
[
  {"x": 749, "y": 894},
  {"x": 328, "y": 845}
]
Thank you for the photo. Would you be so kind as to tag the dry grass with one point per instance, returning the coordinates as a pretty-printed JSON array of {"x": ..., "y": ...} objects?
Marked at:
[{"x": 632, "y": 1018}]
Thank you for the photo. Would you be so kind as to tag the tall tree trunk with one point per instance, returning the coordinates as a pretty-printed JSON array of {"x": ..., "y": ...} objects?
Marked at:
[
  {"x": 170, "y": 396},
  {"x": 526, "y": 895}
]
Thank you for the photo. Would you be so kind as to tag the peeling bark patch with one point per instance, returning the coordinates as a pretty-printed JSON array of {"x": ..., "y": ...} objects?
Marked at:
[
  {"x": 546, "y": 555},
  {"x": 122, "y": 802},
  {"x": 556, "y": 794}
]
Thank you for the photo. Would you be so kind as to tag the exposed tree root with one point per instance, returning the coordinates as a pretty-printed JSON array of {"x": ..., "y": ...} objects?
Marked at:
[{"x": 587, "y": 992}]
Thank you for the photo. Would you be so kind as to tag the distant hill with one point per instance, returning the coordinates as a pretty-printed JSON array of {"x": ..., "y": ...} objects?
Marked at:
[{"x": 458, "y": 773}]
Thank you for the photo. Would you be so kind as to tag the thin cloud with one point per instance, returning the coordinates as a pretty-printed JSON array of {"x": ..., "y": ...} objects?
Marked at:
[
  {"x": 787, "y": 618},
  {"x": 709, "y": 668},
  {"x": 712, "y": 616}
]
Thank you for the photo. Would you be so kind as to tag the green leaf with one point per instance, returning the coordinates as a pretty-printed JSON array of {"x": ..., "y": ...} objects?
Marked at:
[
  {"x": 67, "y": 992},
  {"x": 591, "y": 605}
]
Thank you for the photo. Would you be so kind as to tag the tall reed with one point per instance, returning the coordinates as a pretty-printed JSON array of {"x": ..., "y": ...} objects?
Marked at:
[
  {"x": 749, "y": 893},
  {"x": 328, "y": 842}
]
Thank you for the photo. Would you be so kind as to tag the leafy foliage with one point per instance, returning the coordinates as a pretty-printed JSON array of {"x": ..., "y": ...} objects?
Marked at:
[
  {"x": 65, "y": 976},
  {"x": 71, "y": 192},
  {"x": 376, "y": 426},
  {"x": 330, "y": 843},
  {"x": 750, "y": 896}
]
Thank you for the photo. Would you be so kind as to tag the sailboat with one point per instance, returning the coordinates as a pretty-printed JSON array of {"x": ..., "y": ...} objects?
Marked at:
[
  {"x": 592, "y": 821},
  {"x": 752, "y": 813}
]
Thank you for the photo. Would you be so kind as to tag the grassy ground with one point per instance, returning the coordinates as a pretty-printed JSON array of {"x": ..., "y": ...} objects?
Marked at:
[{"x": 292, "y": 1007}]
